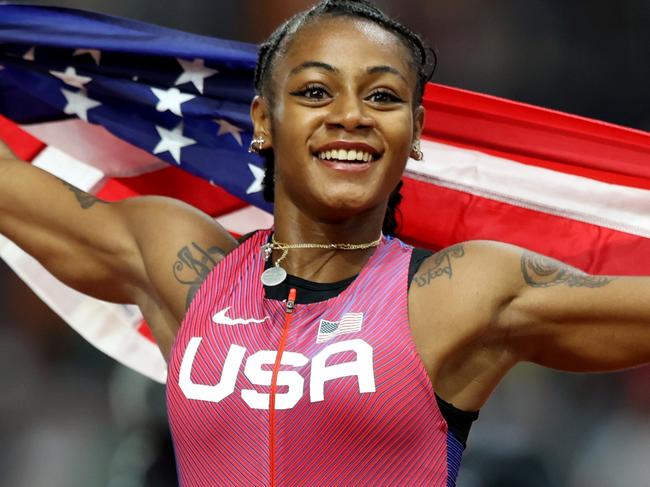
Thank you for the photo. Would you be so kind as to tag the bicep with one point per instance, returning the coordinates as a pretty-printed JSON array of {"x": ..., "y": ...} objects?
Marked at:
[
  {"x": 77, "y": 237},
  {"x": 564, "y": 318}
]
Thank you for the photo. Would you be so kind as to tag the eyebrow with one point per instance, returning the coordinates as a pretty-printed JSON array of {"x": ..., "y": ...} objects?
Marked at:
[
  {"x": 332, "y": 69},
  {"x": 386, "y": 69},
  {"x": 313, "y": 64}
]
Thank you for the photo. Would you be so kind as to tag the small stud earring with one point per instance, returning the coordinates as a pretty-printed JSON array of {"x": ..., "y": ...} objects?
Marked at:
[
  {"x": 416, "y": 151},
  {"x": 257, "y": 144}
]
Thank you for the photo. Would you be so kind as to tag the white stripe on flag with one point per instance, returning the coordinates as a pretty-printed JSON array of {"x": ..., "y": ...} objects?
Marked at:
[
  {"x": 246, "y": 220},
  {"x": 96, "y": 146},
  {"x": 112, "y": 328},
  {"x": 612, "y": 206},
  {"x": 68, "y": 168}
]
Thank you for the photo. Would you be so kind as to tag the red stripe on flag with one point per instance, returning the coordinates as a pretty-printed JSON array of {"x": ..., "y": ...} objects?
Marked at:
[
  {"x": 24, "y": 145},
  {"x": 175, "y": 183},
  {"x": 438, "y": 217},
  {"x": 538, "y": 136},
  {"x": 145, "y": 331}
]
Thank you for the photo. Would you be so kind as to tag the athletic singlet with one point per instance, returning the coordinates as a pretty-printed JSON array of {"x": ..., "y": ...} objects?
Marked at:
[{"x": 349, "y": 402}]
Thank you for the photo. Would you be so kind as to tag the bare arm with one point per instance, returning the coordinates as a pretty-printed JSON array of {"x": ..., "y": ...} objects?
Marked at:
[
  {"x": 151, "y": 251},
  {"x": 569, "y": 320},
  {"x": 480, "y": 307}
]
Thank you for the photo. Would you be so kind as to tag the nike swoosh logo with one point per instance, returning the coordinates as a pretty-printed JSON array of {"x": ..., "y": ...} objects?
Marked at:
[{"x": 220, "y": 318}]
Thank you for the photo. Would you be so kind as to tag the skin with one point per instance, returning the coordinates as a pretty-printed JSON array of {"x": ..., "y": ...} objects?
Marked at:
[{"x": 475, "y": 309}]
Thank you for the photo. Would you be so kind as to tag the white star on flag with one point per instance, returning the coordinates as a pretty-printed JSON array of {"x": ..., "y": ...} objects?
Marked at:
[
  {"x": 171, "y": 100},
  {"x": 172, "y": 141},
  {"x": 70, "y": 77},
  {"x": 79, "y": 104},
  {"x": 258, "y": 174},
  {"x": 194, "y": 72},
  {"x": 225, "y": 127},
  {"x": 29, "y": 55},
  {"x": 96, "y": 54}
]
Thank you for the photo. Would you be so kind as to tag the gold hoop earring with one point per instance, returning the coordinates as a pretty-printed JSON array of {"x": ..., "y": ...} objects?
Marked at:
[
  {"x": 416, "y": 151},
  {"x": 257, "y": 144}
]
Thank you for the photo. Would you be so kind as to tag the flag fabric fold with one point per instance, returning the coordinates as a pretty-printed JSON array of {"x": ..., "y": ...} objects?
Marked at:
[{"x": 123, "y": 108}]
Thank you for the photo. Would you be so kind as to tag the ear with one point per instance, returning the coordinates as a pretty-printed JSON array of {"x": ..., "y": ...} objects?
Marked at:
[
  {"x": 261, "y": 116},
  {"x": 418, "y": 125}
]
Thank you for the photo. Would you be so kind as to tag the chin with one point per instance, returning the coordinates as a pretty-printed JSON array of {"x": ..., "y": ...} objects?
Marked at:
[{"x": 348, "y": 204}]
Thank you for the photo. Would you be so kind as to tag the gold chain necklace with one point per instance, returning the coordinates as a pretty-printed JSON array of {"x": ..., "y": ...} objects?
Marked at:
[{"x": 276, "y": 274}]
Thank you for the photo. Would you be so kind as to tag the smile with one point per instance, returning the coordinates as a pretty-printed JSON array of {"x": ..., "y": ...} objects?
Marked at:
[{"x": 346, "y": 155}]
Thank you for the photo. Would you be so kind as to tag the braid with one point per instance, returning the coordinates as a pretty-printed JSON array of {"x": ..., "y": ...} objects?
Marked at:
[
  {"x": 423, "y": 60},
  {"x": 390, "y": 218}
]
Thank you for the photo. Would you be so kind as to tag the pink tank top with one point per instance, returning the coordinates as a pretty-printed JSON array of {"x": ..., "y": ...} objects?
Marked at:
[{"x": 351, "y": 402}]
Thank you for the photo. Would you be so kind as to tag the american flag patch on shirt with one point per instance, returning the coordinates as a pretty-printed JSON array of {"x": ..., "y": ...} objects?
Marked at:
[{"x": 349, "y": 323}]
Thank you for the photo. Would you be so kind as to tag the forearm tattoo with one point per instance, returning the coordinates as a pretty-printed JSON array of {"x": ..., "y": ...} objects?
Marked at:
[
  {"x": 193, "y": 266},
  {"x": 441, "y": 265},
  {"x": 540, "y": 271},
  {"x": 85, "y": 200}
]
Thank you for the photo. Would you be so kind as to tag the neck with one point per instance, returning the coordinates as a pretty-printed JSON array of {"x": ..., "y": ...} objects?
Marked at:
[{"x": 293, "y": 226}]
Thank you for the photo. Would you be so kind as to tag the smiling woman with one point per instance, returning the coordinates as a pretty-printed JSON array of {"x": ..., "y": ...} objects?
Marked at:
[
  {"x": 324, "y": 350},
  {"x": 320, "y": 100},
  {"x": 405, "y": 78}
]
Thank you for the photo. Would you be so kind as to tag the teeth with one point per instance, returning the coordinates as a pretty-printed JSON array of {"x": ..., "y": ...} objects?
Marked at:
[{"x": 345, "y": 155}]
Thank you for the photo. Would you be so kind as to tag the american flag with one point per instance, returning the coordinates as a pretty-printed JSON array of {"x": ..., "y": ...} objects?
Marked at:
[
  {"x": 349, "y": 323},
  {"x": 185, "y": 100},
  {"x": 122, "y": 108}
]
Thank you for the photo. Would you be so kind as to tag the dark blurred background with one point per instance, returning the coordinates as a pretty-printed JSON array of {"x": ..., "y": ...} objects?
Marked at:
[{"x": 71, "y": 417}]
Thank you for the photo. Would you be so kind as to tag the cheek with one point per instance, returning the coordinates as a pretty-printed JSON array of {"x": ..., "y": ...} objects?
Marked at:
[
  {"x": 399, "y": 132},
  {"x": 291, "y": 126}
]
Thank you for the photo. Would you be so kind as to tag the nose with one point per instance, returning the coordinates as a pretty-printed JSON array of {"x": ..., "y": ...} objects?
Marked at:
[{"x": 349, "y": 113}]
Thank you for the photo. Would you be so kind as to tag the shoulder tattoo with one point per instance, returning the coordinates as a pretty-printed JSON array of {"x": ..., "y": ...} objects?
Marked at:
[
  {"x": 441, "y": 265},
  {"x": 85, "y": 200},
  {"x": 541, "y": 271},
  {"x": 193, "y": 266}
]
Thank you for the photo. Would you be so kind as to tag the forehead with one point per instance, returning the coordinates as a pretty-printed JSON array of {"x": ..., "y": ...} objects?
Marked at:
[{"x": 346, "y": 42}]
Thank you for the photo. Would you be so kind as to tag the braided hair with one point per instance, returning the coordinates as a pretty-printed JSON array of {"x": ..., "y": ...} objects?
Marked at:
[{"x": 423, "y": 61}]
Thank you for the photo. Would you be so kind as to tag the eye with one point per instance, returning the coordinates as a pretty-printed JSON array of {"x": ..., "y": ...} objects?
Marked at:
[
  {"x": 384, "y": 96},
  {"x": 312, "y": 92}
]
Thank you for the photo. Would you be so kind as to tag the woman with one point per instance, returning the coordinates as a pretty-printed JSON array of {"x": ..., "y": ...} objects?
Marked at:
[{"x": 321, "y": 351}]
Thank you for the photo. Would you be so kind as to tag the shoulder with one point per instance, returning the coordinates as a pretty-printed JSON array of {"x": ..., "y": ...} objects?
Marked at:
[
  {"x": 461, "y": 289},
  {"x": 482, "y": 260},
  {"x": 162, "y": 217}
]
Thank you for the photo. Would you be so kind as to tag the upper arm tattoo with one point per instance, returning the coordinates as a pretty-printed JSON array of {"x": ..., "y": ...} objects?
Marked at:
[
  {"x": 441, "y": 265},
  {"x": 85, "y": 200},
  {"x": 193, "y": 266},
  {"x": 541, "y": 271}
]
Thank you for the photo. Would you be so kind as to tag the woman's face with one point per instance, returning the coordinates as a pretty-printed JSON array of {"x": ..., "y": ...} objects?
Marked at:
[{"x": 343, "y": 90}]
